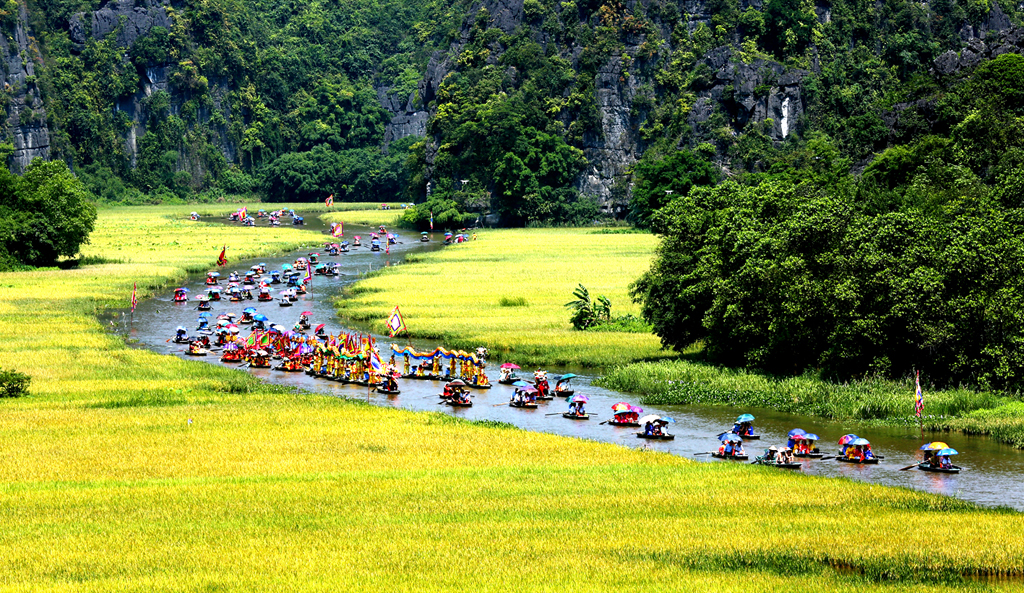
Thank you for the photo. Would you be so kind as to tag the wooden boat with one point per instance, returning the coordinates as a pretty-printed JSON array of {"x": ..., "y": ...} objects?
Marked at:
[
  {"x": 285, "y": 303},
  {"x": 196, "y": 352},
  {"x": 424, "y": 376},
  {"x": 718, "y": 455},
  {"x": 232, "y": 356},
  {"x": 655, "y": 437},
  {"x": 508, "y": 381},
  {"x": 204, "y": 306},
  {"x": 545, "y": 398},
  {"x": 630, "y": 424},
  {"x": 785, "y": 465},
  {"x": 576, "y": 416},
  {"x": 456, "y": 404},
  {"x": 525, "y": 405},
  {"x": 750, "y": 437},
  {"x": 264, "y": 297},
  {"x": 424, "y": 239},
  {"x": 388, "y": 391},
  {"x": 872, "y": 461},
  {"x": 808, "y": 455},
  {"x": 564, "y": 392},
  {"x": 925, "y": 466},
  {"x": 475, "y": 386}
]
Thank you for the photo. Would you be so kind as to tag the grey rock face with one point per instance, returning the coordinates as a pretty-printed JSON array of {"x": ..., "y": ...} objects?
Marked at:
[
  {"x": 140, "y": 16},
  {"x": 25, "y": 126}
]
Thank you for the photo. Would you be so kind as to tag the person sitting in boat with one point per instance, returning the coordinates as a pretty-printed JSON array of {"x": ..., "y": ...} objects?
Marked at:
[
  {"x": 786, "y": 456},
  {"x": 449, "y": 392},
  {"x": 944, "y": 462},
  {"x": 857, "y": 453},
  {"x": 743, "y": 429},
  {"x": 867, "y": 452},
  {"x": 737, "y": 449},
  {"x": 769, "y": 454},
  {"x": 194, "y": 216},
  {"x": 195, "y": 347},
  {"x": 656, "y": 430},
  {"x": 204, "y": 323},
  {"x": 181, "y": 335}
]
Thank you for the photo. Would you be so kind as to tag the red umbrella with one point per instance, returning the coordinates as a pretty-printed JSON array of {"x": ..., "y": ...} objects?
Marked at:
[
  {"x": 306, "y": 313},
  {"x": 319, "y": 327}
]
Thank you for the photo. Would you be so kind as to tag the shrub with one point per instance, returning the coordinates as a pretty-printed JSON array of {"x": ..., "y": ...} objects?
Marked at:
[{"x": 13, "y": 383}]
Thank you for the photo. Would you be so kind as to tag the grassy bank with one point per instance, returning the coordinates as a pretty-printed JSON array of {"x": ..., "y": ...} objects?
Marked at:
[
  {"x": 367, "y": 216},
  {"x": 507, "y": 290},
  {"x": 127, "y": 470},
  {"x": 684, "y": 382}
]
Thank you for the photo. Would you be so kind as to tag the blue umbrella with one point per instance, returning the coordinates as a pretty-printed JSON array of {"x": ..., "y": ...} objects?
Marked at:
[
  {"x": 859, "y": 442},
  {"x": 948, "y": 451},
  {"x": 667, "y": 419},
  {"x": 261, "y": 317},
  {"x": 730, "y": 438},
  {"x": 811, "y": 436},
  {"x": 521, "y": 384},
  {"x": 797, "y": 432},
  {"x": 204, "y": 314},
  {"x": 249, "y": 310},
  {"x": 745, "y": 418}
]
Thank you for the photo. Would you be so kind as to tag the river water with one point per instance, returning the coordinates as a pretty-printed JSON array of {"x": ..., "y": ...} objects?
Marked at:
[{"x": 991, "y": 474}]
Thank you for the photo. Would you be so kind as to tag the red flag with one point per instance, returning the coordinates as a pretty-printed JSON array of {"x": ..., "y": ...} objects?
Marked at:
[
  {"x": 135, "y": 296},
  {"x": 329, "y": 201},
  {"x": 221, "y": 259}
]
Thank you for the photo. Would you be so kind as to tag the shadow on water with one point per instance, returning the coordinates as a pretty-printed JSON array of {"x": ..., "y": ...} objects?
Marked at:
[{"x": 992, "y": 471}]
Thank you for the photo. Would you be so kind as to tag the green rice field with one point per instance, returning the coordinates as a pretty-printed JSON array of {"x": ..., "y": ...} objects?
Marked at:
[{"x": 124, "y": 470}]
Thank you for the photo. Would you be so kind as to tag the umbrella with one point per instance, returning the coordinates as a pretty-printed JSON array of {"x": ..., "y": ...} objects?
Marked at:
[
  {"x": 730, "y": 438},
  {"x": 620, "y": 407},
  {"x": 457, "y": 383},
  {"x": 649, "y": 418},
  {"x": 521, "y": 384},
  {"x": 636, "y": 410},
  {"x": 234, "y": 329},
  {"x": 797, "y": 433},
  {"x": 934, "y": 446},
  {"x": 277, "y": 327},
  {"x": 319, "y": 327},
  {"x": 529, "y": 389},
  {"x": 182, "y": 289},
  {"x": 249, "y": 310},
  {"x": 223, "y": 322},
  {"x": 745, "y": 418},
  {"x": 202, "y": 297},
  {"x": 566, "y": 377},
  {"x": 859, "y": 442},
  {"x": 261, "y": 317},
  {"x": 306, "y": 313},
  {"x": 509, "y": 365},
  {"x": 811, "y": 437},
  {"x": 948, "y": 451},
  {"x": 213, "y": 274},
  {"x": 581, "y": 399},
  {"x": 286, "y": 266},
  {"x": 248, "y": 287},
  {"x": 667, "y": 419},
  {"x": 424, "y": 233},
  {"x": 846, "y": 438}
]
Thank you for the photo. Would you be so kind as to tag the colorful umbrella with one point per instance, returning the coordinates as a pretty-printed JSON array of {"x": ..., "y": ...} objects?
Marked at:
[
  {"x": 636, "y": 410},
  {"x": 509, "y": 365},
  {"x": 457, "y": 383},
  {"x": 797, "y": 432},
  {"x": 580, "y": 399},
  {"x": 213, "y": 274},
  {"x": 745, "y": 418},
  {"x": 846, "y": 438},
  {"x": 529, "y": 389},
  {"x": 948, "y": 451},
  {"x": 934, "y": 446},
  {"x": 620, "y": 407}
]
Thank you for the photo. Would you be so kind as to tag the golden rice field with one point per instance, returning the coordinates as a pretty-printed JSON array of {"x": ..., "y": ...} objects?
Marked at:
[
  {"x": 124, "y": 470},
  {"x": 455, "y": 295},
  {"x": 368, "y": 217}
]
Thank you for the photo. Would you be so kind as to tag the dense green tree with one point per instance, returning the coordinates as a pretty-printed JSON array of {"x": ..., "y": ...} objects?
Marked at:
[{"x": 677, "y": 172}]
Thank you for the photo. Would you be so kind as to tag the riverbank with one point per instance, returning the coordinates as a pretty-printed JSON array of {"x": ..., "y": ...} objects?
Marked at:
[
  {"x": 506, "y": 290},
  {"x": 891, "y": 402},
  {"x": 130, "y": 470}
]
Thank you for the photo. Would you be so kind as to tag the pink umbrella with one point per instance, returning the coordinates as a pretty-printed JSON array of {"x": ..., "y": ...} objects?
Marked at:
[{"x": 509, "y": 365}]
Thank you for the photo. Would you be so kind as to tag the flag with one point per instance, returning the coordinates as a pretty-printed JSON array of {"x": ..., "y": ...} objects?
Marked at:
[
  {"x": 252, "y": 339},
  {"x": 243, "y": 213},
  {"x": 918, "y": 396},
  {"x": 395, "y": 323},
  {"x": 265, "y": 339},
  {"x": 329, "y": 201},
  {"x": 339, "y": 230},
  {"x": 431, "y": 220},
  {"x": 135, "y": 296},
  {"x": 375, "y": 362},
  {"x": 387, "y": 243},
  {"x": 309, "y": 274},
  {"x": 221, "y": 259}
]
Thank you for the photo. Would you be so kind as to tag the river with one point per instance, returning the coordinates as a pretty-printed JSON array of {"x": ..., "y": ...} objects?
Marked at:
[{"x": 991, "y": 474}]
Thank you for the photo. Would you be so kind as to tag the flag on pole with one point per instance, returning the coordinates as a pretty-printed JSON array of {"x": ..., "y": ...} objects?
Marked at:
[
  {"x": 387, "y": 243},
  {"x": 375, "y": 362},
  {"x": 222, "y": 259},
  {"x": 243, "y": 213},
  {"x": 918, "y": 396},
  {"x": 396, "y": 324},
  {"x": 329, "y": 201},
  {"x": 431, "y": 220},
  {"x": 339, "y": 230},
  {"x": 135, "y": 295},
  {"x": 309, "y": 274}
]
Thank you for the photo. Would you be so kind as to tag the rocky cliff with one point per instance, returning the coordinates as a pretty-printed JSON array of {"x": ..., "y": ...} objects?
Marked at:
[{"x": 25, "y": 126}]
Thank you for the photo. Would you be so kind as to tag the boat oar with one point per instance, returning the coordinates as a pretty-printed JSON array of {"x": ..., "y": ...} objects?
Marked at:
[
  {"x": 555, "y": 414},
  {"x": 605, "y": 422},
  {"x": 903, "y": 469},
  {"x": 496, "y": 405},
  {"x": 826, "y": 458},
  {"x": 706, "y": 453}
]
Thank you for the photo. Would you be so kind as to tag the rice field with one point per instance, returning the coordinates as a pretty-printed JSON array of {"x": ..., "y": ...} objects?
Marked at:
[
  {"x": 125, "y": 470},
  {"x": 506, "y": 290},
  {"x": 367, "y": 216}
]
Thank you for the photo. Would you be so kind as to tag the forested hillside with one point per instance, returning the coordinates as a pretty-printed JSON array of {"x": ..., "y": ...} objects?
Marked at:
[{"x": 532, "y": 110}]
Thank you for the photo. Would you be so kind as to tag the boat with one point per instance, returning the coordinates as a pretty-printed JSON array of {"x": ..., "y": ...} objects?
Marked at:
[
  {"x": 575, "y": 416},
  {"x": 809, "y": 455},
  {"x": 204, "y": 306},
  {"x": 389, "y": 391},
  {"x": 718, "y": 455},
  {"x": 655, "y": 437},
  {"x": 872, "y": 461},
  {"x": 476, "y": 386},
  {"x": 458, "y": 404},
  {"x": 285, "y": 302},
  {"x": 617, "y": 423},
  {"x": 424, "y": 376},
  {"x": 231, "y": 356},
  {"x": 526, "y": 405},
  {"x": 508, "y": 381},
  {"x": 750, "y": 437},
  {"x": 785, "y": 465},
  {"x": 925, "y": 466}
]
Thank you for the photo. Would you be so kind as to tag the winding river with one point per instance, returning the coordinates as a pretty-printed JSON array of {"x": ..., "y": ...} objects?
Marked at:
[{"x": 992, "y": 471}]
